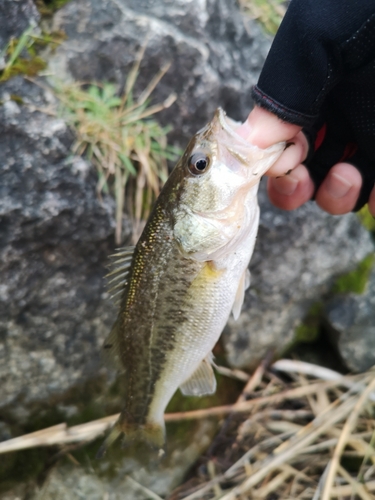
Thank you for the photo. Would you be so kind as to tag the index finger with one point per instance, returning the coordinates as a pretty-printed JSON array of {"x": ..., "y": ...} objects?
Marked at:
[{"x": 263, "y": 129}]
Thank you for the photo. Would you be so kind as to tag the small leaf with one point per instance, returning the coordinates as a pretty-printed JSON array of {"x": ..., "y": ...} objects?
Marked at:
[{"x": 128, "y": 164}]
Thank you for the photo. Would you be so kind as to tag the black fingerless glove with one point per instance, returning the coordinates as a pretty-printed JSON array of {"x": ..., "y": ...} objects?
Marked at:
[{"x": 320, "y": 74}]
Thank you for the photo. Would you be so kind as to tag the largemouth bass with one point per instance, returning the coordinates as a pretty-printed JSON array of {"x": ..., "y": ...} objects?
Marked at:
[{"x": 186, "y": 274}]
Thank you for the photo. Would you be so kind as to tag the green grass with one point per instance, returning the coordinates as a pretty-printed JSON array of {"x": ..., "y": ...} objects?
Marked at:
[
  {"x": 309, "y": 329},
  {"x": 268, "y": 13},
  {"x": 367, "y": 220},
  {"x": 21, "y": 55},
  {"x": 119, "y": 135}
]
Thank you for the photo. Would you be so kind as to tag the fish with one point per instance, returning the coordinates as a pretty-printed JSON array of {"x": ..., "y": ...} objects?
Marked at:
[{"x": 186, "y": 274}]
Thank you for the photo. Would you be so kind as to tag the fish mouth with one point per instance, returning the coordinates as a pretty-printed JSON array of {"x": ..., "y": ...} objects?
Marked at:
[
  {"x": 223, "y": 131},
  {"x": 230, "y": 126}
]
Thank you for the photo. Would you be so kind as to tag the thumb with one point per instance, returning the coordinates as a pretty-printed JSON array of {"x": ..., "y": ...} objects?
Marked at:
[{"x": 263, "y": 128}]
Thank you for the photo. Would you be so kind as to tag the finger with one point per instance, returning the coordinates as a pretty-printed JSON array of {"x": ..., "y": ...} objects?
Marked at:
[
  {"x": 293, "y": 155},
  {"x": 292, "y": 190},
  {"x": 336, "y": 189},
  {"x": 340, "y": 189},
  {"x": 371, "y": 202},
  {"x": 263, "y": 128}
]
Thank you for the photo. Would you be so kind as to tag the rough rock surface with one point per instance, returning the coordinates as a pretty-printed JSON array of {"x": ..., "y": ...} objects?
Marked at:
[
  {"x": 297, "y": 256},
  {"x": 98, "y": 483},
  {"x": 15, "y": 18},
  {"x": 214, "y": 59},
  {"x": 55, "y": 236},
  {"x": 352, "y": 319}
]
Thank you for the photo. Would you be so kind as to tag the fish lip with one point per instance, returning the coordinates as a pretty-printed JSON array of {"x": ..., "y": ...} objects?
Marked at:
[{"x": 223, "y": 120}]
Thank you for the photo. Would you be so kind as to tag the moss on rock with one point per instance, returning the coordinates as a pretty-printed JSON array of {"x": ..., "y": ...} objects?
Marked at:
[
  {"x": 47, "y": 8},
  {"x": 355, "y": 281},
  {"x": 367, "y": 220},
  {"x": 309, "y": 329}
]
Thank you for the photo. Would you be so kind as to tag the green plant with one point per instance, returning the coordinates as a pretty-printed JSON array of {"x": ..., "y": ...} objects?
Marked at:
[
  {"x": 355, "y": 281},
  {"x": 48, "y": 7},
  {"x": 268, "y": 12},
  {"x": 367, "y": 220},
  {"x": 127, "y": 146},
  {"x": 308, "y": 330},
  {"x": 21, "y": 56}
]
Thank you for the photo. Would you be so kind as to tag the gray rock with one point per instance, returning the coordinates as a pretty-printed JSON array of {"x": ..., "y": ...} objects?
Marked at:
[
  {"x": 98, "y": 482},
  {"x": 55, "y": 237},
  {"x": 297, "y": 256},
  {"x": 214, "y": 58},
  {"x": 15, "y": 18},
  {"x": 352, "y": 320}
]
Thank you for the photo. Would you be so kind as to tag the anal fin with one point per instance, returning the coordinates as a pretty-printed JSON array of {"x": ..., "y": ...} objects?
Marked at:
[{"x": 202, "y": 381}]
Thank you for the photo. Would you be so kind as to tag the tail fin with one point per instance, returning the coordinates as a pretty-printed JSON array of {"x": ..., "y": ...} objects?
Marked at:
[{"x": 150, "y": 433}]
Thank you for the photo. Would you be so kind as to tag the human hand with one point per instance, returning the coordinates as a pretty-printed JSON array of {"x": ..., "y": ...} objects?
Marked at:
[
  {"x": 316, "y": 91},
  {"x": 290, "y": 184}
]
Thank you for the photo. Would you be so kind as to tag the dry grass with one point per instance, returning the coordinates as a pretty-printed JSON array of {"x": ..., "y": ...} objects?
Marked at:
[
  {"x": 121, "y": 138},
  {"x": 305, "y": 439},
  {"x": 309, "y": 435}
]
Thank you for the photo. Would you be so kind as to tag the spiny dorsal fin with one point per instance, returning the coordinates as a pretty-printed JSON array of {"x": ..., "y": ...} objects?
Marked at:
[
  {"x": 202, "y": 381},
  {"x": 240, "y": 295},
  {"x": 119, "y": 270}
]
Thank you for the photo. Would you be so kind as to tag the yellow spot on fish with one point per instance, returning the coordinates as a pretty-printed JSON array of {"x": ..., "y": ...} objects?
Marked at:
[{"x": 208, "y": 273}]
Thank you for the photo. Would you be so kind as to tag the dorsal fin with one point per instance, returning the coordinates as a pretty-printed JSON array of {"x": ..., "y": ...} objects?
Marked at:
[
  {"x": 119, "y": 270},
  {"x": 116, "y": 281},
  {"x": 202, "y": 381}
]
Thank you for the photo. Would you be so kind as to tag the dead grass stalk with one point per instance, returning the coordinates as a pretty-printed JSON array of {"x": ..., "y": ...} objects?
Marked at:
[{"x": 283, "y": 439}]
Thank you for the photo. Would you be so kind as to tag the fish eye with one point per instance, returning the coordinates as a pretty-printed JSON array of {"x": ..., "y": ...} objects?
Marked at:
[{"x": 198, "y": 163}]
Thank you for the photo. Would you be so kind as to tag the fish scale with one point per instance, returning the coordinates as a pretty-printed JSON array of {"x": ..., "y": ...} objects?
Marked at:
[{"x": 187, "y": 272}]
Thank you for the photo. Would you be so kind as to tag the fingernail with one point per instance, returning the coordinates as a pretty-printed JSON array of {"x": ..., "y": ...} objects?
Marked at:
[
  {"x": 286, "y": 185},
  {"x": 337, "y": 186}
]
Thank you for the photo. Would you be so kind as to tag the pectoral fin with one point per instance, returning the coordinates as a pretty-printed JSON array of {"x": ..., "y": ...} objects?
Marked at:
[
  {"x": 202, "y": 381},
  {"x": 240, "y": 295},
  {"x": 247, "y": 279}
]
